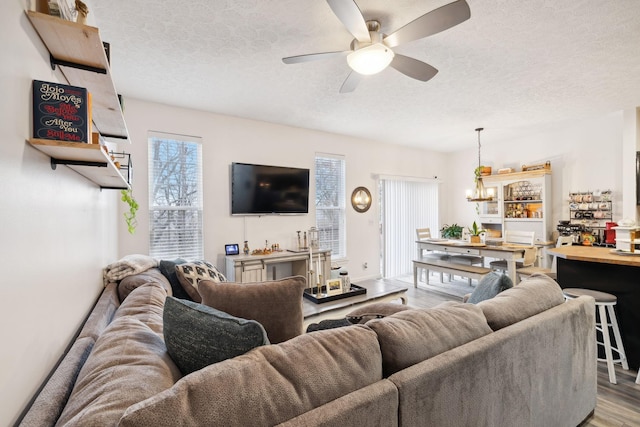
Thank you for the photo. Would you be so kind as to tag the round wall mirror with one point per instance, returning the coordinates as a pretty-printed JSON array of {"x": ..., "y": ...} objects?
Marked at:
[{"x": 361, "y": 199}]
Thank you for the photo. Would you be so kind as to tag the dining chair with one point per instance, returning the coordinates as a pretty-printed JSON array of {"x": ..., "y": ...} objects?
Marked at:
[
  {"x": 522, "y": 238},
  {"x": 424, "y": 234},
  {"x": 551, "y": 272}
]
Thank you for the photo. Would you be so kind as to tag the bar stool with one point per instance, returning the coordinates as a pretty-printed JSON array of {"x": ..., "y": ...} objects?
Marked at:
[{"x": 604, "y": 304}]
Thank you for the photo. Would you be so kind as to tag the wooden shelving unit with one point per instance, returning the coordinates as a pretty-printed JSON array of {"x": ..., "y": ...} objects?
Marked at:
[
  {"x": 522, "y": 202},
  {"x": 79, "y": 52},
  {"x": 89, "y": 160}
]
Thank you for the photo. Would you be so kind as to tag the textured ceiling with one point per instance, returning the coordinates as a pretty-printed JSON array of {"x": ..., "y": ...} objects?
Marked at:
[{"x": 514, "y": 67}]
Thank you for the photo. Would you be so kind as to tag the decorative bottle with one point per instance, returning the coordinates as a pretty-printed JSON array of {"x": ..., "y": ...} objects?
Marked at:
[{"x": 346, "y": 282}]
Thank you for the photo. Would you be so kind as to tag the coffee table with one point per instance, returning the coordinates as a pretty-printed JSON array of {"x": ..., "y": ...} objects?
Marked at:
[{"x": 377, "y": 291}]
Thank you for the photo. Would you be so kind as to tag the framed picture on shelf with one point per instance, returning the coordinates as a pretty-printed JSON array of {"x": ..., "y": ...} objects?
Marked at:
[{"x": 334, "y": 286}]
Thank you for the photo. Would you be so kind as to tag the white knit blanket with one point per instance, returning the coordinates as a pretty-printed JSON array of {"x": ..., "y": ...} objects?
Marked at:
[{"x": 128, "y": 265}]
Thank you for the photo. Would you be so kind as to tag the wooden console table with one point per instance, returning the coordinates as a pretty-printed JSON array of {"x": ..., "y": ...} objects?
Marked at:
[
  {"x": 259, "y": 268},
  {"x": 601, "y": 270}
]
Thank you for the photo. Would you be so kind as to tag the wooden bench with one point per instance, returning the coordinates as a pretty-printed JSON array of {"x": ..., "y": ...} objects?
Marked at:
[{"x": 469, "y": 271}]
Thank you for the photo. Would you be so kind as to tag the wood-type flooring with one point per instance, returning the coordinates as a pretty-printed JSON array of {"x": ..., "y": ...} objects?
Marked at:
[{"x": 618, "y": 405}]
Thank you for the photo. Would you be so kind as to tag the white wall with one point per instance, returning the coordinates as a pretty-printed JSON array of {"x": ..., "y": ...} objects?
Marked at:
[
  {"x": 57, "y": 230},
  {"x": 229, "y": 139},
  {"x": 585, "y": 155}
]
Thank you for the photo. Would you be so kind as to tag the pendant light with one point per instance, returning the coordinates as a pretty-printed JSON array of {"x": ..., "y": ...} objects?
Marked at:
[{"x": 480, "y": 193}]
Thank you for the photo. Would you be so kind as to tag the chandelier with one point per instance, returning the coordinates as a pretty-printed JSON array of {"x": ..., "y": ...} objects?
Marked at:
[{"x": 480, "y": 193}]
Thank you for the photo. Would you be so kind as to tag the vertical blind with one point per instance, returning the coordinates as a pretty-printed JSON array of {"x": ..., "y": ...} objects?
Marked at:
[
  {"x": 175, "y": 197},
  {"x": 406, "y": 206},
  {"x": 330, "y": 204}
]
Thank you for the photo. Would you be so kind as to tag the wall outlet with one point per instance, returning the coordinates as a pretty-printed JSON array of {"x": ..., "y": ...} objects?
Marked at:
[{"x": 365, "y": 266}]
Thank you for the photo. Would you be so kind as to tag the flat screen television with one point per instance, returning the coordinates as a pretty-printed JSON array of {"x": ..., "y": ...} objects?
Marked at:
[{"x": 266, "y": 190}]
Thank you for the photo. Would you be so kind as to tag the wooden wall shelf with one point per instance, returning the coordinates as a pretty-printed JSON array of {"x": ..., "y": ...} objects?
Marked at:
[
  {"x": 517, "y": 175},
  {"x": 80, "y": 47},
  {"x": 89, "y": 160}
]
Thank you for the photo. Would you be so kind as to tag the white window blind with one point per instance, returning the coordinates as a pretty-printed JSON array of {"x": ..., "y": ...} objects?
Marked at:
[
  {"x": 407, "y": 205},
  {"x": 175, "y": 196},
  {"x": 330, "y": 204}
]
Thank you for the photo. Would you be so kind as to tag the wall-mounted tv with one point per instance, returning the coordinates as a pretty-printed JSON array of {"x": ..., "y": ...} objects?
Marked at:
[{"x": 265, "y": 190}]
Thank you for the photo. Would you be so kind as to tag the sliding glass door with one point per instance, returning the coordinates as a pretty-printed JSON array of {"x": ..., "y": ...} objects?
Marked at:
[{"x": 406, "y": 205}]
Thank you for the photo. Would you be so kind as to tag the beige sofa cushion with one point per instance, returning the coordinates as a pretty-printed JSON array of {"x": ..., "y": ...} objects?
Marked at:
[
  {"x": 373, "y": 405},
  {"x": 533, "y": 295},
  {"x": 129, "y": 283},
  {"x": 276, "y": 305},
  {"x": 102, "y": 313},
  {"x": 411, "y": 336},
  {"x": 538, "y": 372},
  {"x": 50, "y": 402},
  {"x": 129, "y": 363},
  {"x": 268, "y": 385}
]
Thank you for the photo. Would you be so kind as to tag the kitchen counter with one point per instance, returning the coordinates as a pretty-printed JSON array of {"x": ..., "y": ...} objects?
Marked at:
[
  {"x": 602, "y": 270},
  {"x": 595, "y": 254}
]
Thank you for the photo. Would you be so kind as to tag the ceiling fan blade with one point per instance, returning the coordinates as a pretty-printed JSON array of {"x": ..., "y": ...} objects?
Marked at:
[
  {"x": 430, "y": 23},
  {"x": 351, "y": 82},
  {"x": 413, "y": 68},
  {"x": 313, "y": 57},
  {"x": 349, "y": 14}
]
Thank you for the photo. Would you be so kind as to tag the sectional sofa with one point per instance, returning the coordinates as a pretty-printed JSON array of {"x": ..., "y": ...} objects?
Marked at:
[{"x": 523, "y": 358}]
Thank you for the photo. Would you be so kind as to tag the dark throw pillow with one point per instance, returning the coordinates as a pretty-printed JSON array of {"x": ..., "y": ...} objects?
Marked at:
[
  {"x": 328, "y": 324},
  {"x": 378, "y": 310},
  {"x": 490, "y": 286},
  {"x": 197, "y": 336},
  {"x": 168, "y": 269}
]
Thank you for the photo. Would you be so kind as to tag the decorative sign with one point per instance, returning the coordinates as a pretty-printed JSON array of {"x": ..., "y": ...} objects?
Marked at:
[{"x": 61, "y": 112}]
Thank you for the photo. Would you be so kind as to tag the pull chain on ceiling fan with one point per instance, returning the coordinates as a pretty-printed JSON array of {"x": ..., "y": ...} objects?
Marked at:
[{"x": 371, "y": 51}]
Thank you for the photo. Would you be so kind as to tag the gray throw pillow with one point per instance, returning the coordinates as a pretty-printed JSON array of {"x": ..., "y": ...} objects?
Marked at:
[
  {"x": 197, "y": 336},
  {"x": 490, "y": 286}
]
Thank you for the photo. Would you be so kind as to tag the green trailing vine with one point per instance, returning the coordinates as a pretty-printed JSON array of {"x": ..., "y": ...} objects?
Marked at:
[{"x": 130, "y": 216}]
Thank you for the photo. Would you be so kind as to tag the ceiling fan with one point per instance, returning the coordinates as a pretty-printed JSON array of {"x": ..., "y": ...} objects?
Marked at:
[{"x": 371, "y": 51}]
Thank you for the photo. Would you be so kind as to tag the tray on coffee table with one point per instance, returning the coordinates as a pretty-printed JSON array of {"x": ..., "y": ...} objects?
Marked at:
[{"x": 311, "y": 294}]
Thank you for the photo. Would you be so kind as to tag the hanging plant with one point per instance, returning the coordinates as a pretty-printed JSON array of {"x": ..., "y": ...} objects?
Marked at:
[{"x": 130, "y": 216}]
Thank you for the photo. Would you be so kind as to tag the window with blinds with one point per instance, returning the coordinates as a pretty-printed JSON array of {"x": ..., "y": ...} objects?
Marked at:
[
  {"x": 175, "y": 197},
  {"x": 330, "y": 204}
]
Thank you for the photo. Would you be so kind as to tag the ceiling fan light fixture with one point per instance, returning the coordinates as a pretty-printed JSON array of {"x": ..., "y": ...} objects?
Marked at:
[{"x": 370, "y": 59}]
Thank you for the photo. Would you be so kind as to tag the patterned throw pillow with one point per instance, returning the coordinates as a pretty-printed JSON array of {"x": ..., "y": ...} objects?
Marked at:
[{"x": 191, "y": 273}]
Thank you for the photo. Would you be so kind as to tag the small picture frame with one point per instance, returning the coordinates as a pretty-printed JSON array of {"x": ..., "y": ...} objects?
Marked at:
[
  {"x": 334, "y": 286},
  {"x": 232, "y": 249}
]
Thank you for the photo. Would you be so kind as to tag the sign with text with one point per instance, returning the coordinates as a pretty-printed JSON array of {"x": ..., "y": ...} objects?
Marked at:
[{"x": 61, "y": 112}]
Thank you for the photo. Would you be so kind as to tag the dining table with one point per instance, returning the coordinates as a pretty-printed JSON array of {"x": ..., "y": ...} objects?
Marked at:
[{"x": 511, "y": 253}]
